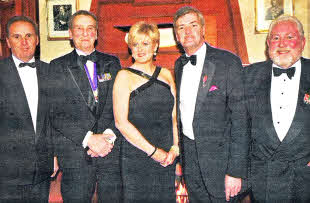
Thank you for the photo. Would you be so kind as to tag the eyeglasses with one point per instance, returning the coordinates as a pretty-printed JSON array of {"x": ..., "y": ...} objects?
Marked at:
[{"x": 88, "y": 29}]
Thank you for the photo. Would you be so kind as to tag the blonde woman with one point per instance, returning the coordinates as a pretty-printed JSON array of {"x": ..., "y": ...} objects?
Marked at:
[{"x": 145, "y": 113}]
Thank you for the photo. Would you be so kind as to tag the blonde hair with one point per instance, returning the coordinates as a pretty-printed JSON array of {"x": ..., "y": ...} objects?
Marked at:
[{"x": 144, "y": 28}]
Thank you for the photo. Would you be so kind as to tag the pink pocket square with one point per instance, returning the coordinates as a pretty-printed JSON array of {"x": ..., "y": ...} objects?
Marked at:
[{"x": 212, "y": 88}]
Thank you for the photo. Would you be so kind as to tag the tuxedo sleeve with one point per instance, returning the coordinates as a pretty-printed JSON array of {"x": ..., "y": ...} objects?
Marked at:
[{"x": 239, "y": 134}]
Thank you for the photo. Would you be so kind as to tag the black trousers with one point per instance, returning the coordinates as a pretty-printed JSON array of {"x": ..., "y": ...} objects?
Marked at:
[
  {"x": 25, "y": 193},
  {"x": 196, "y": 188},
  {"x": 78, "y": 184}
]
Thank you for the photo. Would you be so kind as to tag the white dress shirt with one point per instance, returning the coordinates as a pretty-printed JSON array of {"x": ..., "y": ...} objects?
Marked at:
[
  {"x": 28, "y": 77},
  {"x": 283, "y": 97},
  {"x": 188, "y": 91}
]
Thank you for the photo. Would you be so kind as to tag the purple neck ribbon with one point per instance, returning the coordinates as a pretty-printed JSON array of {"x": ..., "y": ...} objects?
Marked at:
[{"x": 93, "y": 82}]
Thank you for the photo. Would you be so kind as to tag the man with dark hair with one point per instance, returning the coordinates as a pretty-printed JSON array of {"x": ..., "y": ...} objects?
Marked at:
[
  {"x": 82, "y": 116},
  {"x": 26, "y": 156},
  {"x": 211, "y": 114},
  {"x": 279, "y": 107}
]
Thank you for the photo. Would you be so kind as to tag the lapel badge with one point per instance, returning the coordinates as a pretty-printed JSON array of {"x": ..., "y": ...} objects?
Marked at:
[
  {"x": 307, "y": 99},
  {"x": 204, "y": 80},
  {"x": 104, "y": 77},
  {"x": 212, "y": 88}
]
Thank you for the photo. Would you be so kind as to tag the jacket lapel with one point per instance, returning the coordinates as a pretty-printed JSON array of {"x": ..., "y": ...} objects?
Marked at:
[
  {"x": 178, "y": 79},
  {"x": 79, "y": 77},
  {"x": 267, "y": 122},
  {"x": 16, "y": 86},
  {"x": 203, "y": 89},
  {"x": 299, "y": 118},
  {"x": 103, "y": 68},
  {"x": 41, "y": 110}
]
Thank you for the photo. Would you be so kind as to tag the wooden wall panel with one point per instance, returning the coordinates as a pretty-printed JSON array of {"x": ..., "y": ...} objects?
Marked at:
[{"x": 223, "y": 25}]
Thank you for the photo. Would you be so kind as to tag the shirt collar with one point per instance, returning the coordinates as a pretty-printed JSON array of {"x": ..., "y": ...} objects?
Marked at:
[
  {"x": 200, "y": 54},
  {"x": 297, "y": 64},
  {"x": 17, "y": 61},
  {"x": 81, "y": 53},
  {"x": 201, "y": 51}
]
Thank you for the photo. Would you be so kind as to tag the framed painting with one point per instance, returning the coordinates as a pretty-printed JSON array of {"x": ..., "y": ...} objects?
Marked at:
[
  {"x": 58, "y": 14},
  {"x": 268, "y": 10}
]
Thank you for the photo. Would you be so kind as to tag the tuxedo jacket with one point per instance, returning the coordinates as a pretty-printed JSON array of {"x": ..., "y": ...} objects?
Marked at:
[
  {"x": 219, "y": 124},
  {"x": 73, "y": 109},
  {"x": 279, "y": 170},
  {"x": 26, "y": 157}
]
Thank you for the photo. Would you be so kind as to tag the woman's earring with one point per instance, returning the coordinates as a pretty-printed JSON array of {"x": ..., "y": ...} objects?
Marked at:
[{"x": 154, "y": 56}]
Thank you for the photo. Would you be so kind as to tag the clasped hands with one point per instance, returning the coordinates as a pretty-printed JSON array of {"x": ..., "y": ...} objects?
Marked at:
[
  {"x": 165, "y": 158},
  {"x": 98, "y": 145}
]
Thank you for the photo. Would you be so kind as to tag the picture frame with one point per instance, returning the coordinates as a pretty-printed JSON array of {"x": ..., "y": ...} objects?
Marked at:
[
  {"x": 58, "y": 14},
  {"x": 268, "y": 10}
]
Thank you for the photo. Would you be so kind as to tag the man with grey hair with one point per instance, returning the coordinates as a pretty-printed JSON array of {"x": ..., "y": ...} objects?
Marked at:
[
  {"x": 211, "y": 114},
  {"x": 278, "y": 101},
  {"x": 81, "y": 115}
]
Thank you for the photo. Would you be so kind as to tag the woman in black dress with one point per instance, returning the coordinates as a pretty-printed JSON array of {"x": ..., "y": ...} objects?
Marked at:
[{"x": 145, "y": 113}]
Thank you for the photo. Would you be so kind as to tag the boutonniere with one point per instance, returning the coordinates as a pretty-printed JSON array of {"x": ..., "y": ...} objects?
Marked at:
[
  {"x": 104, "y": 77},
  {"x": 307, "y": 98},
  {"x": 212, "y": 88},
  {"x": 204, "y": 80}
]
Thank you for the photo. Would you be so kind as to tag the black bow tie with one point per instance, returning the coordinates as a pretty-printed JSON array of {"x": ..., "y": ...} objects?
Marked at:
[
  {"x": 289, "y": 72},
  {"x": 92, "y": 57},
  {"x": 192, "y": 59},
  {"x": 32, "y": 65}
]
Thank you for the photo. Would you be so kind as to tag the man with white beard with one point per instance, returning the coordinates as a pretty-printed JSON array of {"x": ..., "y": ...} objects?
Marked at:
[{"x": 278, "y": 103}]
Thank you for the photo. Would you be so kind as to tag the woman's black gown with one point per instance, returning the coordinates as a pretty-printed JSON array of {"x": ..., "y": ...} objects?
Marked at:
[{"x": 150, "y": 111}]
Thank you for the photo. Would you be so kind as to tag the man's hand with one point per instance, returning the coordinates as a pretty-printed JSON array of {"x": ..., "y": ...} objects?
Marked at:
[
  {"x": 308, "y": 164},
  {"x": 99, "y": 145},
  {"x": 232, "y": 186},
  {"x": 92, "y": 153}
]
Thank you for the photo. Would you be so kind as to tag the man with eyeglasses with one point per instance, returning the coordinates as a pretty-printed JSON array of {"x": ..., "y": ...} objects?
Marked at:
[{"x": 82, "y": 116}]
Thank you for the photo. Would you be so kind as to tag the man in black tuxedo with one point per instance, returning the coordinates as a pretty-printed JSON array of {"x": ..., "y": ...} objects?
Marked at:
[
  {"x": 211, "y": 114},
  {"x": 82, "y": 116},
  {"x": 26, "y": 156},
  {"x": 277, "y": 92}
]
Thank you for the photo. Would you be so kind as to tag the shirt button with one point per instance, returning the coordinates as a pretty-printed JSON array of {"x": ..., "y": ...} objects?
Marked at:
[
  {"x": 280, "y": 107},
  {"x": 278, "y": 122}
]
